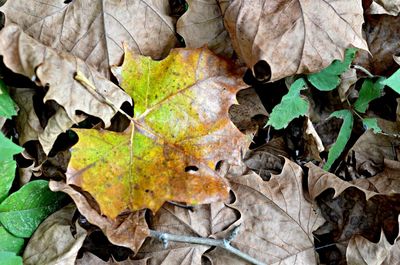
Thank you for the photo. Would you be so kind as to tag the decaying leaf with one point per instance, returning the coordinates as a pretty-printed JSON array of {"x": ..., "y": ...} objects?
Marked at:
[
  {"x": 347, "y": 80},
  {"x": 57, "y": 71},
  {"x": 276, "y": 220},
  {"x": 294, "y": 37},
  {"x": 129, "y": 230},
  {"x": 91, "y": 259},
  {"x": 203, "y": 24},
  {"x": 203, "y": 221},
  {"x": 389, "y": 7},
  {"x": 180, "y": 131},
  {"x": 95, "y": 30},
  {"x": 53, "y": 242}
]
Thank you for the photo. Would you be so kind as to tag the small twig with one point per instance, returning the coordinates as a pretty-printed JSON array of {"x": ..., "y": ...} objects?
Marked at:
[
  {"x": 362, "y": 69},
  {"x": 222, "y": 243}
]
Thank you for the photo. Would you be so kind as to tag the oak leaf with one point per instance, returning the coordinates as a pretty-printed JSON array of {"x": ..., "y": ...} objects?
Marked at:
[
  {"x": 95, "y": 30},
  {"x": 294, "y": 37},
  {"x": 180, "y": 131}
]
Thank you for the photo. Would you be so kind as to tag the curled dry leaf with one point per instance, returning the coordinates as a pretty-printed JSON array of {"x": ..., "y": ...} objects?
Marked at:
[
  {"x": 294, "y": 37},
  {"x": 57, "y": 70},
  {"x": 180, "y": 131},
  {"x": 204, "y": 221},
  {"x": 388, "y": 7},
  {"x": 129, "y": 230},
  {"x": 203, "y": 24},
  {"x": 383, "y": 37},
  {"x": 276, "y": 220},
  {"x": 52, "y": 242},
  {"x": 95, "y": 30},
  {"x": 348, "y": 79}
]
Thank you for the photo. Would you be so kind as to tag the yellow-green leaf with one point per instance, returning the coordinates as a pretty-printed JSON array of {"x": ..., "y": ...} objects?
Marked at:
[{"x": 180, "y": 131}]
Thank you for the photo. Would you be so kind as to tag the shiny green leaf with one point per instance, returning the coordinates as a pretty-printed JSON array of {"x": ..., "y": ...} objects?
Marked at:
[
  {"x": 10, "y": 243},
  {"x": 393, "y": 81},
  {"x": 7, "y": 105},
  {"x": 369, "y": 91}
]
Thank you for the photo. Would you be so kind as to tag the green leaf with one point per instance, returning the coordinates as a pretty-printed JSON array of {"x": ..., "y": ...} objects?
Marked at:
[
  {"x": 344, "y": 135},
  {"x": 7, "y": 105},
  {"x": 8, "y": 148},
  {"x": 24, "y": 210},
  {"x": 369, "y": 91},
  {"x": 329, "y": 78},
  {"x": 292, "y": 106},
  {"x": 372, "y": 123},
  {"x": 7, "y": 174},
  {"x": 9, "y": 258},
  {"x": 393, "y": 81},
  {"x": 8, "y": 242}
]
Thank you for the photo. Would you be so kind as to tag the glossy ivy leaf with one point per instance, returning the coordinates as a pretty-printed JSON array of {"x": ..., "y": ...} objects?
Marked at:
[
  {"x": 10, "y": 258},
  {"x": 180, "y": 131},
  {"x": 329, "y": 78},
  {"x": 7, "y": 105},
  {"x": 10, "y": 243},
  {"x": 393, "y": 81},
  {"x": 291, "y": 106},
  {"x": 7, "y": 164},
  {"x": 369, "y": 91},
  {"x": 25, "y": 209},
  {"x": 344, "y": 135},
  {"x": 372, "y": 123}
]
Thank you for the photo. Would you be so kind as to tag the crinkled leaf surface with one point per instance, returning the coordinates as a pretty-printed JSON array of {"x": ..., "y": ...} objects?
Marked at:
[
  {"x": 329, "y": 78},
  {"x": 95, "y": 30},
  {"x": 276, "y": 220},
  {"x": 294, "y": 37},
  {"x": 369, "y": 91},
  {"x": 7, "y": 106},
  {"x": 23, "y": 211},
  {"x": 393, "y": 81},
  {"x": 291, "y": 106},
  {"x": 180, "y": 131},
  {"x": 344, "y": 135}
]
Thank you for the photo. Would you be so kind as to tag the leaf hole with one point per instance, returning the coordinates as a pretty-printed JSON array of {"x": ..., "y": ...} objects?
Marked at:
[
  {"x": 67, "y": 1},
  {"x": 191, "y": 169},
  {"x": 262, "y": 71}
]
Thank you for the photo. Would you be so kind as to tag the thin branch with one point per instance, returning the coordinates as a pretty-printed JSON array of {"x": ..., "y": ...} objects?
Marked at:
[
  {"x": 362, "y": 69},
  {"x": 222, "y": 243}
]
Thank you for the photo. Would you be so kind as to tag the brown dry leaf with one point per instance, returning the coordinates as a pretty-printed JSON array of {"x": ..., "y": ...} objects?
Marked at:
[
  {"x": 244, "y": 115},
  {"x": 203, "y": 24},
  {"x": 129, "y": 230},
  {"x": 294, "y": 37},
  {"x": 348, "y": 79},
  {"x": 57, "y": 70},
  {"x": 95, "y": 30},
  {"x": 52, "y": 243},
  {"x": 276, "y": 220},
  {"x": 383, "y": 38},
  {"x": 388, "y": 7},
  {"x": 203, "y": 221},
  {"x": 91, "y": 259},
  {"x": 396, "y": 59}
]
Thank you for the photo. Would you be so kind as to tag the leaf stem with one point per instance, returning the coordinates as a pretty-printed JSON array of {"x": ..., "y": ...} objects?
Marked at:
[
  {"x": 222, "y": 243},
  {"x": 362, "y": 69}
]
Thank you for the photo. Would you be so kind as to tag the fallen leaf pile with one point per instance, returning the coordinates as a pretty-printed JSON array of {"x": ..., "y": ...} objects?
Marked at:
[{"x": 245, "y": 132}]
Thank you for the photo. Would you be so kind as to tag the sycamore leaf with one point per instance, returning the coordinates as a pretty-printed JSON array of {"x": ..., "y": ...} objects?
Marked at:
[
  {"x": 291, "y": 106},
  {"x": 7, "y": 106},
  {"x": 203, "y": 24},
  {"x": 276, "y": 219},
  {"x": 180, "y": 131},
  {"x": 95, "y": 30},
  {"x": 372, "y": 123},
  {"x": 294, "y": 37},
  {"x": 23, "y": 211},
  {"x": 369, "y": 91},
  {"x": 53, "y": 242},
  {"x": 344, "y": 135},
  {"x": 393, "y": 81},
  {"x": 329, "y": 78}
]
